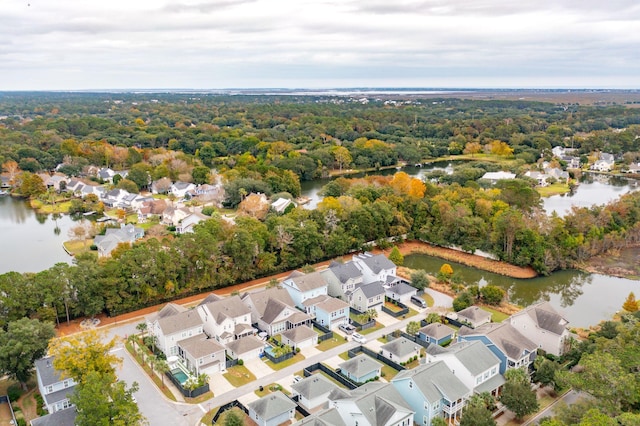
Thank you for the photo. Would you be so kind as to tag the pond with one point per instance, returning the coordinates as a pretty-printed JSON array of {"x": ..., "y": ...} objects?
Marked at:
[
  {"x": 31, "y": 242},
  {"x": 584, "y": 299}
]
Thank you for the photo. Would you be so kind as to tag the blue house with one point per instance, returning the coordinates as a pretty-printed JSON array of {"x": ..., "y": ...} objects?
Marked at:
[
  {"x": 361, "y": 368},
  {"x": 436, "y": 333},
  {"x": 302, "y": 287},
  {"x": 510, "y": 346},
  {"x": 328, "y": 311},
  {"x": 432, "y": 390}
]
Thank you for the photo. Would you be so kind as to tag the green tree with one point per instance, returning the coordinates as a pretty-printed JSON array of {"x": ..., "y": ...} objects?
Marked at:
[
  {"x": 201, "y": 174},
  {"x": 476, "y": 415},
  {"x": 102, "y": 401},
  {"x": 518, "y": 396},
  {"x": 31, "y": 185},
  {"x": 24, "y": 341},
  {"x": 413, "y": 327},
  {"x": 140, "y": 174},
  {"x": 433, "y": 317},
  {"x": 232, "y": 418},
  {"x": 631, "y": 304},
  {"x": 128, "y": 185},
  {"x": 546, "y": 372},
  {"x": 492, "y": 295},
  {"x": 463, "y": 301},
  {"x": 419, "y": 279},
  {"x": 439, "y": 421},
  {"x": 396, "y": 257}
]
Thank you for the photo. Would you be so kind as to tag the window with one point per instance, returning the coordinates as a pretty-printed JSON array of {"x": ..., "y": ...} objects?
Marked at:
[
  {"x": 436, "y": 405},
  {"x": 494, "y": 370},
  {"x": 49, "y": 389},
  {"x": 425, "y": 420},
  {"x": 486, "y": 375},
  {"x": 478, "y": 380},
  {"x": 410, "y": 382}
]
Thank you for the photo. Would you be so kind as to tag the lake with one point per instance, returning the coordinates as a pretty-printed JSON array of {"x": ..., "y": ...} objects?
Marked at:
[
  {"x": 29, "y": 241},
  {"x": 584, "y": 299}
]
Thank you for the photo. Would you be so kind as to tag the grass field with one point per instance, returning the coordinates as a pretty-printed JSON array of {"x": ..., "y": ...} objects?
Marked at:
[
  {"x": 553, "y": 189},
  {"x": 496, "y": 316},
  {"x": 239, "y": 375}
]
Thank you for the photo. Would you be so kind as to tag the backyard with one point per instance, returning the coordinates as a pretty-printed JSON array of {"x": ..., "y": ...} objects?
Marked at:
[{"x": 239, "y": 375}]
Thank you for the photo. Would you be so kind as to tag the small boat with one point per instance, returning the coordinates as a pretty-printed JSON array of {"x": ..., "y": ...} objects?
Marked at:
[{"x": 3, "y": 192}]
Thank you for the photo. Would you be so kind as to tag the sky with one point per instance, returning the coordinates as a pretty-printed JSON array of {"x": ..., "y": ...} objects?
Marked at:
[{"x": 217, "y": 44}]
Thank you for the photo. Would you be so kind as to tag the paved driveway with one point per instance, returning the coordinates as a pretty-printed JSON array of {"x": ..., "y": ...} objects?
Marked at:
[
  {"x": 218, "y": 384},
  {"x": 440, "y": 299},
  {"x": 386, "y": 319},
  {"x": 258, "y": 367}
]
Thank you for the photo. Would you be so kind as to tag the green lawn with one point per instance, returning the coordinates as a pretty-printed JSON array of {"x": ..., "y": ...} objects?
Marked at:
[
  {"x": 388, "y": 372},
  {"x": 344, "y": 355},
  {"x": 496, "y": 316},
  {"x": 239, "y": 375},
  {"x": 331, "y": 343},
  {"x": 553, "y": 189},
  {"x": 279, "y": 366},
  {"x": 427, "y": 298},
  {"x": 273, "y": 387},
  {"x": 378, "y": 326}
]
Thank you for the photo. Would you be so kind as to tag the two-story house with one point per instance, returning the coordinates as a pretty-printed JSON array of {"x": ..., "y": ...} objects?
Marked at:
[
  {"x": 372, "y": 404},
  {"x": 279, "y": 317},
  {"x": 471, "y": 362},
  {"x": 201, "y": 354},
  {"x": 368, "y": 296},
  {"x": 432, "y": 390},
  {"x": 302, "y": 287},
  {"x": 328, "y": 311},
  {"x": 342, "y": 279},
  {"x": 374, "y": 267},
  {"x": 512, "y": 348},
  {"x": 172, "y": 324},
  {"x": 226, "y": 319},
  {"x": 54, "y": 387},
  {"x": 541, "y": 323}
]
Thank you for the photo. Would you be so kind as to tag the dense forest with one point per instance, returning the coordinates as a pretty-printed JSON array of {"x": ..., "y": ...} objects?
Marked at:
[{"x": 269, "y": 144}]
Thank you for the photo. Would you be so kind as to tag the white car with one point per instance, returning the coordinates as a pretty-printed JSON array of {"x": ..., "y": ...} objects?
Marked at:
[{"x": 358, "y": 338}]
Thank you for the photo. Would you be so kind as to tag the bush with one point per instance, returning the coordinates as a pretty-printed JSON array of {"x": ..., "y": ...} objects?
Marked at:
[
  {"x": 492, "y": 294},
  {"x": 14, "y": 392},
  {"x": 21, "y": 422},
  {"x": 208, "y": 210},
  {"x": 462, "y": 302},
  {"x": 240, "y": 362}
]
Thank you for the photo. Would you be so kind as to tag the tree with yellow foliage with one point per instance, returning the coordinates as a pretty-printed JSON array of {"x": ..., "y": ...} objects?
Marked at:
[
  {"x": 82, "y": 353},
  {"x": 500, "y": 148},
  {"x": 631, "y": 304}
]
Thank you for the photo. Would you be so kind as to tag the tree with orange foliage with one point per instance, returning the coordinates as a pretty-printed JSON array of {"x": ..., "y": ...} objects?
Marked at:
[{"x": 11, "y": 167}]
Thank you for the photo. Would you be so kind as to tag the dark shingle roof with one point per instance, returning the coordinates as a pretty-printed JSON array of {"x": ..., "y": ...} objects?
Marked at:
[
  {"x": 372, "y": 289},
  {"x": 66, "y": 417},
  {"x": 345, "y": 271},
  {"x": 505, "y": 336}
]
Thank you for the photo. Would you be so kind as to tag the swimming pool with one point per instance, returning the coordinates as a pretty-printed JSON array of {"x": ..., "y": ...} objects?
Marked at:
[
  {"x": 180, "y": 375},
  {"x": 269, "y": 349}
]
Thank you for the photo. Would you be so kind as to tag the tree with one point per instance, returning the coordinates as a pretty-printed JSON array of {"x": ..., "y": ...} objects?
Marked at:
[
  {"x": 102, "y": 401},
  {"x": 463, "y": 301},
  {"x": 419, "y": 279},
  {"x": 31, "y": 185},
  {"x": 433, "y": 317},
  {"x": 396, "y": 257},
  {"x": 413, "y": 327},
  {"x": 79, "y": 354},
  {"x": 342, "y": 156},
  {"x": 201, "y": 174},
  {"x": 232, "y": 418},
  {"x": 477, "y": 415},
  {"x": 492, "y": 294},
  {"x": 446, "y": 271},
  {"x": 546, "y": 372},
  {"x": 139, "y": 173},
  {"x": 439, "y": 421},
  {"x": 472, "y": 148},
  {"x": 24, "y": 342},
  {"x": 631, "y": 304},
  {"x": 162, "y": 367},
  {"x": 518, "y": 396},
  {"x": 128, "y": 185}
]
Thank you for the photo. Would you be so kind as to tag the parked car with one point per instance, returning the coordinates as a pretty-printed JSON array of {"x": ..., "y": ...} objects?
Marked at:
[
  {"x": 296, "y": 379},
  {"x": 358, "y": 338},
  {"x": 347, "y": 328},
  {"x": 419, "y": 301}
]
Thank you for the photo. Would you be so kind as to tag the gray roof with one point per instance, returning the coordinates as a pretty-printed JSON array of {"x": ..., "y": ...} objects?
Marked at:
[
  {"x": 48, "y": 374},
  {"x": 314, "y": 386},
  {"x": 180, "y": 321},
  {"x": 547, "y": 317},
  {"x": 401, "y": 347},
  {"x": 66, "y": 417},
  {"x": 360, "y": 365},
  {"x": 329, "y": 417},
  {"x": 345, "y": 271},
  {"x": 474, "y": 313},
  {"x": 327, "y": 303},
  {"x": 272, "y": 405},
  {"x": 379, "y": 402},
  {"x": 491, "y": 384},
  {"x": 475, "y": 356},
  {"x": 245, "y": 344},
  {"x": 505, "y": 336},
  {"x": 376, "y": 262},
  {"x": 437, "y": 330},
  {"x": 200, "y": 346},
  {"x": 260, "y": 299},
  {"x": 273, "y": 309},
  {"x": 435, "y": 381},
  {"x": 372, "y": 289},
  {"x": 182, "y": 185},
  {"x": 210, "y": 298},
  {"x": 306, "y": 282},
  {"x": 229, "y": 307},
  {"x": 299, "y": 334},
  {"x": 401, "y": 288},
  {"x": 167, "y": 310}
]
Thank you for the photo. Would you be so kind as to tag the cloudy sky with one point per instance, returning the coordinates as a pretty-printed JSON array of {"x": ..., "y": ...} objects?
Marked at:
[{"x": 208, "y": 44}]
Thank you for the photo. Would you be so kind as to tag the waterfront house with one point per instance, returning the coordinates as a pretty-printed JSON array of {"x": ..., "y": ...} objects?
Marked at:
[
  {"x": 126, "y": 234},
  {"x": 494, "y": 177},
  {"x": 281, "y": 205},
  {"x": 374, "y": 267},
  {"x": 541, "y": 323},
  {"x": 432, "y": 390},
  {"x": 272, "y": 410},
  {"x": 473, "y": 316}
]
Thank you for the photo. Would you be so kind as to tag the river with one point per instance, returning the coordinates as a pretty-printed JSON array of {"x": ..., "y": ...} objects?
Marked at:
[{"x": 30, "y": 242}]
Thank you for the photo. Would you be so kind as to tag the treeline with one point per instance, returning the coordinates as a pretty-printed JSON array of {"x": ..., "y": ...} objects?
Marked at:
[
  {"x": 504, "y": 220},
  {"x": 308, "y": 136}
]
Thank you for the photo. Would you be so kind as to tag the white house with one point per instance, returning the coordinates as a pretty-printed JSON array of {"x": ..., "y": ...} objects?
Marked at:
[
  {"x": 54, "y": 387},
  {"x": 273, "y": 409},
  {"x": 248, "y": 347},
  {"x": 302, "y": 287},
  {"x": 374, "y": 267},
  {"x": 400, "y": 350},
  {"x": 226, "y": 319},
  {"x": 300, "y": 337},
  {"x": 172, "y": 324},
  {"x": 186, "y": 225},
  {"x": 313, "y": 391},
  {"x": 202, "y": 355},
  {"x": 542, "y": 324},
  {"x": 604, "y": 163},
  {"x": 372, "y": 404},
  {"x": 180, "y": 189},
  {"x": 496, "y": 176},
  {"x": 342, "y": 278}
]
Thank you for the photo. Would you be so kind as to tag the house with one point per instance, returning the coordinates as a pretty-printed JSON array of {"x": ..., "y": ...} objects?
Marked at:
[
  {"x": 126, "y": 234},
  {"x": 312, "y": 391},
  {"x": 186, "y": 225},
  {"x": 342, "y": 278},
  {"x": 512, "y": 348},
  {"x": 374, "y": 267},
  {"x": 302, "y": 287},
  {"x": 258, "y": 301},
  {"x": 201, "y": 354},
  {"x": 539, "y": 177},
  {"x": 328, "y": 417},
  {"x": 436, "y": 333},
  {"x": 172, "y": 324},
  {"x": 279, "y": 317},
  {"x": 472, "y": 316},
  {"x": 180, "y": 189},
  {"x": 172, "y": 216},
  {"x": 57, "y": 182},
  {"x": 493, "y": 177},
  {"x": 633, "y": 168},
  {"x": 66, "y": 417},
  {"x": 604, "y": 163},
  {"x": 300, "y": 337},
  {"x": 372, "y": 404},
  {"x": 281, "y": 204},
  {"x": 471, "y": 362},
  {"x": 161, "y": 186},
  {"x": 248, "y": 347},
  {"x": 399, "y": 290},
  {"x": 272, "y": 410},
  {"x": 206, "y": 193},
  {"x": 361, "y": 368},
  {"x": 558, "y": 151},
  {"x": 106, "y": 174},
  {"x": 400, "y": 350},
  {"x": 328, "y": 311},
  {"x": 54, "y": 387},
  {"x": 556, "y": 173},
  {"x": 541, "y": 323},
  {"x": 432, "y": 390},
  {"x": 150, "y": 209},
  {"x": 368, "y": 296},
  {"x": 572, "y": 161},
  {"x": 226, "y": 319}
]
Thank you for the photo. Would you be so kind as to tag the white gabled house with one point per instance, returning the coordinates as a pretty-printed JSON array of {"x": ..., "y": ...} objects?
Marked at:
[
  {"x": 302, "y": 287},
  {"x": 172, "y": 324},
  {"x": 226, "y": 319},
  {"x": 542, "y": 324},
  {"x": 54, "y": 387},
  {"x": 374, "y": 267}
]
